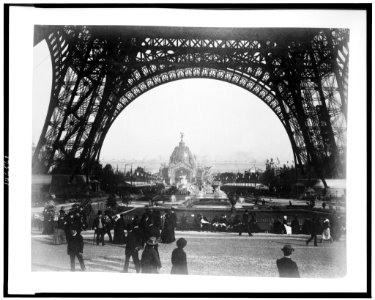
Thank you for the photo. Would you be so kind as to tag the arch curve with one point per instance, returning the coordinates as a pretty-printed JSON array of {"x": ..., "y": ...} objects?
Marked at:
[
  {"x": 245, "y": 81},
  {"x": 98, "y": 71}
]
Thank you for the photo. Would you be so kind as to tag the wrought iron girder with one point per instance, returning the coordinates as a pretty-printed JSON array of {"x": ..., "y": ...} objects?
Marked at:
[{"x": 131, "y": 62}]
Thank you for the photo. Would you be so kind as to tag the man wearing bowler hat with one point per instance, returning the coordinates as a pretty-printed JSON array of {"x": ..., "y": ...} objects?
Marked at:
[
  {"x": 286, "y": 266},
  {"x": 75, "y": 248}
]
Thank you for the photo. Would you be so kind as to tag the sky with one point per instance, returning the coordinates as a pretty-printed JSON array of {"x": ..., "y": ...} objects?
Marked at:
[{"x": 224, "y": 125}]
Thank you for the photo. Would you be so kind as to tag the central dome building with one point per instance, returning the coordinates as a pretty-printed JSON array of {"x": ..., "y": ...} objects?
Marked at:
[
  {"x": 182, "y": 163},
  {"x": 183, "y": 166}
]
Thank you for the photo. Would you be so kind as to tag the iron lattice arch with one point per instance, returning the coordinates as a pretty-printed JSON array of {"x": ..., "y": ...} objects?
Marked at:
[{"x": 301, "y": 74}]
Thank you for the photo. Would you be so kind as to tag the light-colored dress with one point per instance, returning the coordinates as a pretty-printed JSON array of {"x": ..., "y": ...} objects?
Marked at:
[{"x": 326, "y": 235}]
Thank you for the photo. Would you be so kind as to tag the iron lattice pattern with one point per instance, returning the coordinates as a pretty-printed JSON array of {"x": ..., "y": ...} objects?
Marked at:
[{"x": 301, "y": 74}]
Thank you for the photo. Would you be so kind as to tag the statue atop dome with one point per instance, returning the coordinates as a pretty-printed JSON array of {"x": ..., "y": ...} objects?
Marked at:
[{"x": 182, "y": 137}]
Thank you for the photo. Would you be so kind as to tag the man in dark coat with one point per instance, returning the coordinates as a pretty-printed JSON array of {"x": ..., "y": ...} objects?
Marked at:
[
  {"x": 145, "y": 225},
  {"x": 108, "y": 226},
  {"x": 156, "y": 218},
  {"x": 295, "y": 226},
  {"x": 75, "y": 248},
  {"x": 99, "y": 227},
  {"x": 286, "y": 266},
  {"x": 179, "y": 261},
  {"x": 118, "y": 230},
  {"x": 133, "y": 245},
  {"x": 314, "y": 231},
  {"x": 245, "y": 223},
  {"x": 139, "y": 231}
]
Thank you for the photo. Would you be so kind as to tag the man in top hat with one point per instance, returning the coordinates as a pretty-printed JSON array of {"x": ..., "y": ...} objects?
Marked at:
[
  {"x": 286, "y": 266},
  {"x": 99, "y": 227}
]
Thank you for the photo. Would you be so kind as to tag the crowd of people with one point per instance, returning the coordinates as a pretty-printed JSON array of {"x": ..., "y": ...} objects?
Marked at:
[
  {"x": 247, "y": 222},
  {"x": 146, "y": 231}
]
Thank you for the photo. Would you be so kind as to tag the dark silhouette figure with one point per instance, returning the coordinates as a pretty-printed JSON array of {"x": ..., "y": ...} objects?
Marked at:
[
  {"x": 314, "y": 231},
  {"x": 179, "y": 261},
  {"x": 150, "y": 261},
  {"x": 286, "y": 266},
  {"x": 133, "y": 245},
  {"x": 75, "y": 248},
  {"x": 245, "y": 223},
  {"x": 295, "y": 226},
  {"x": 99, "y": 226}
]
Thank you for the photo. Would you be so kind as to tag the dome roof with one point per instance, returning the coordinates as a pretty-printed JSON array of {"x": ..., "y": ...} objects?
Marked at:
[{"x": 183, "y": 154}]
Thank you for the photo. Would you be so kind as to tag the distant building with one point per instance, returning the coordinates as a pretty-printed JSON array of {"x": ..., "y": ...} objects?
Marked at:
[{"x": 183, "y": 165}]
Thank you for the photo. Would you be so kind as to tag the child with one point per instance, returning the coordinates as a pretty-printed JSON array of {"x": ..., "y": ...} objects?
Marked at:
[
  {"x": 75, "y": 248},
  {"x": 179, "y": 263}
]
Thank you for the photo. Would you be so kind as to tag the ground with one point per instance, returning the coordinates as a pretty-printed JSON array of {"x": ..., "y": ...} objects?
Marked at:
[{"x": 208, "y": 254}]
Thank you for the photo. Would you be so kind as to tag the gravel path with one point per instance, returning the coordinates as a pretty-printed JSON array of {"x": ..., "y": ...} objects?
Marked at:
[{"x": 208, "y": 254}]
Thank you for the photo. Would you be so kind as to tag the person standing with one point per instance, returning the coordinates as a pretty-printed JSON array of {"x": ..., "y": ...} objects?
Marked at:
[
  {"x": 245, "y": 223},
  {"x": 133, "y": 245},
  {"x": 179, "y": 261},
  {"x": 99, "y": 227},
  {"x": 167, "y": 234},
  {"x": 75, "y": 248},
  {"x": 60, "y": 228},
  {"x": 173, "y": 218},
  {"x": 286, "y": 266},
  {"x": 314, "y": 231},
  {"x": 295, "y": 226},
  {"x": 62, "y": 211},
  {"x": 108, "y": 226},
  {"x": 118, "y": 230},
  {"x": 287, "y": 228},
  {"x": 326, "y": 235},
  {"x": 150, "y": 261}
]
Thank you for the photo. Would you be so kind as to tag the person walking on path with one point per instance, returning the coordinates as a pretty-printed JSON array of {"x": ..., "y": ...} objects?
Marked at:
[
  {"x": 314, "y": 231},
  {"x": 75, "y": 248},
  {"x": 133, "y": 245},
  {"x": 286, "y": 266},
  {"x": 150, "y": 262},
  {"x": 179, "y": 261}
]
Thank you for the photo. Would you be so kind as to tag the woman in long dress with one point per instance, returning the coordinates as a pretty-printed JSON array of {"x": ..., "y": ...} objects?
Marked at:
[
  {"x": 150, "y": 261},
  {"x": 167, "y": 234},
  {"x": 119, "y": 227},
  {"x": 326, "y": 235}
]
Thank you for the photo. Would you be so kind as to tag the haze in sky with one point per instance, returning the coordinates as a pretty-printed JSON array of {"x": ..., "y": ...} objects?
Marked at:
[{"x": 221, "y": 122}]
